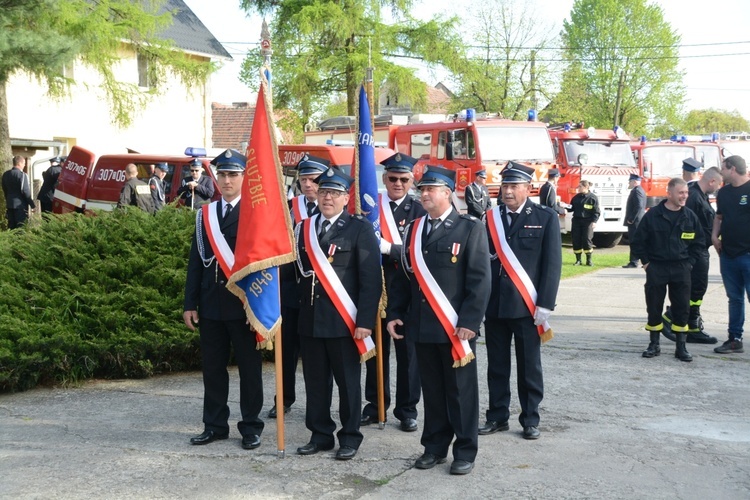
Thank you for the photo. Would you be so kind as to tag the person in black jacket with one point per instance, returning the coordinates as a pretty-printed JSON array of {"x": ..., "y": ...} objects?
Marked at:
[
  {"x": 532, "y": 233},
  {"x": 17, "y": 192},
  {"x": 135, "y": 192},
  {"x": 441, "y": 305},
  {"x": 220, "y": 314},
  {"x": 634, "y": 211},
  {"x": 477, "y": 196},
  {"x": 585, "y": 208},
  {"x": 156, "y": 185},
  {"x": 340, "y": 290},
  {"x": 669, "y": 242},
  {"x": 402, "y": 208},
  {"x": 46, "y": 193},
  {"x": 198, "y": 189},
  {"x": 548, "y": 192}
]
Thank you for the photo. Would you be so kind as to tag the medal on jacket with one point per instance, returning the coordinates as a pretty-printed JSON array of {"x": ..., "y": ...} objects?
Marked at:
[
  {"x": 454, "y": 250},
  {"x": 331, "y": 251}
]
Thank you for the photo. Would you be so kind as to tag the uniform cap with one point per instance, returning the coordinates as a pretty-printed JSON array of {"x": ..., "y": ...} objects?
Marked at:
[
  {"x": 230, "y": 161},
  {"x": 312, "y": 165},
  {"x": 399, "y": 163},
  {"x": 195, "y": 162},
  {"x": 691, "y": 165},
  {"x": 335, "y": 179},
  {"x": 634, "y": 177},
  {"x": 437, "y": 176},
  {"x": 163, "y": 166},
  {"x": 553, "y": 172},
  {"x": 515, "y": 173},
  {"x": 55, "y": 161},
  {"x": 482, "y": 174}
]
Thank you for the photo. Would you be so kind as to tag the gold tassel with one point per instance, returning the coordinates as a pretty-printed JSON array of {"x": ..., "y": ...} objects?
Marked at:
[
  {"x": 464, "y": 361},
  {"x": 547, "y": 336},
  {"x": 369, "y": 354}
]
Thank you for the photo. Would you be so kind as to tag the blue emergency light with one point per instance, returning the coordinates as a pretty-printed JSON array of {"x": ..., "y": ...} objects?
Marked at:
[
  {"x": 643, "y": 139},
  {"x": 470, "y": 114},
  {"x": 715, "y": 137},
  {"x": 531, "y": 115},
  {"x": 195, "y": 152},
  {"x": 566, "y": 127}
]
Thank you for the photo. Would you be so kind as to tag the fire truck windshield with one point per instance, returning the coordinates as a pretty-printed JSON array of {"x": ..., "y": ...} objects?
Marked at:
[
  {"x": 514, "y": 143},
  {"x": 596, "y": 153},
  {"x": 665, "y": 161},
  {"x": 709, "y": 154}
]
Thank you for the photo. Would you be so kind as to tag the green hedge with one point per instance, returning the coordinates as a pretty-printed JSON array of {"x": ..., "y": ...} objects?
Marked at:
[{"x": 95, "y": 296}]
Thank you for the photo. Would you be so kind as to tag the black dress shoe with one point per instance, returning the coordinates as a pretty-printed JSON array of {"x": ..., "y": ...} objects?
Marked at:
[
  {"x": 207, "y": 437},
  {"x": 313, "y": 448},
  {"x": 369, "y": 420},
  {"x": 251, "y": 441},
  {"x": 345, "y": 453},
  {"x": 461, "y": 467},
  {"x": 531, "y": 432},
  {"x": 272, "y": 413},
  {"x": 409, "y": 425},
  {"x": 492, "y": 426},
  {"x": 428, "y": 461},
  {"x": 630, "y": 265}
]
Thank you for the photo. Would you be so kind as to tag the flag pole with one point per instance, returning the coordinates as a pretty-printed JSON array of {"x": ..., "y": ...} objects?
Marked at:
[{"x": 266, "y": 51}]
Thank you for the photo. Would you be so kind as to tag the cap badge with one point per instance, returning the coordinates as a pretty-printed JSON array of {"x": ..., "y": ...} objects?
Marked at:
[{"x": 329, "y": 173}]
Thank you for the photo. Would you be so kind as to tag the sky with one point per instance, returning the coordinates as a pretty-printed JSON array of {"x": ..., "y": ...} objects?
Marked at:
[{"x": 715, "y": 48}]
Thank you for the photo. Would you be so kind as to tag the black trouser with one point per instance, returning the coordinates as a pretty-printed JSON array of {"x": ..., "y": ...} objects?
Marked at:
[
  {"x": 322, "y": 357},
  {"x": 290, "y": 350},
  {"x": 407, "y": 379},
  {"x": 674, "y": 275},
  {"x": 217, "y": 339},
  {"x": 451, "y": 402},
  {"x": 499, "y": 333},
  {"x": 582, "y": 233},
  {"x": 46, "y": 206},
  {"x": 16, "y": 217},
  {"x": 699, "y": 279},
  {"x": 631, "y": 235}
]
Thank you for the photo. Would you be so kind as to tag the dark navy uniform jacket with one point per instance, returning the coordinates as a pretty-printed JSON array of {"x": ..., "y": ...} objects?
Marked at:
[
  {"x": 698, "y": 202},
  {"x": 658, "y": 238},
  {"x": 356, "y": 262},
  {"x": 205, "y": 287},
  {"x": 407, "y": 211},
  {"x": 465, "y": 282},
  {"x": 536, "y": 242},
  {"x": 635, "y": 207}
]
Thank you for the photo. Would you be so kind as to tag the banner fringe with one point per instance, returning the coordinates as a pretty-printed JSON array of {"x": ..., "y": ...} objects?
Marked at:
[{"x": 547, "y": 336}]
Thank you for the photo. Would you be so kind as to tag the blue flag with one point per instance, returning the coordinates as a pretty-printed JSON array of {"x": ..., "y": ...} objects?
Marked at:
[{"x": 365, "y": 177}]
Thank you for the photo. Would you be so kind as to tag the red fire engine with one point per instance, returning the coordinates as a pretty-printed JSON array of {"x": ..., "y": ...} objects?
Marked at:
[{"x": 604, "y": 158}]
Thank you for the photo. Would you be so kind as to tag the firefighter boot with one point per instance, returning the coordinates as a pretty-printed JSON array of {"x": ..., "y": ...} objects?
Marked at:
[
  {"x": 696, "y": 333},
  {"x": 653, "y": 348},
  {"x": 681, "y": 351},
  {"x": 578, "y": 259},
  {"x": 667, "y": 329},
  {"x": 588, "y": 259}
]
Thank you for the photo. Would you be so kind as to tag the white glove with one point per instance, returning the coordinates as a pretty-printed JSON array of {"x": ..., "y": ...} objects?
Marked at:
[
  {"x": 541, "y": 315},
  {"x": 385, "y": 247}
]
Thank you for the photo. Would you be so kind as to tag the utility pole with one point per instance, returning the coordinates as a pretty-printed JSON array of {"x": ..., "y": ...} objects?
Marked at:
[{"x": 618, "y": 101}]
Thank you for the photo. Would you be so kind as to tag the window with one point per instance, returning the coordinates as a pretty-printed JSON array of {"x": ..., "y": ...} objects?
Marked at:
[
  {"x": 420, "y": 145},
  {"x": 442, "y": 136},
  {"x": 145, "y": 71}
]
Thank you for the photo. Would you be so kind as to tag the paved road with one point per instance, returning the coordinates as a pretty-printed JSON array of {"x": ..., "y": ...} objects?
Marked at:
[{"x": 614, "y": 425}]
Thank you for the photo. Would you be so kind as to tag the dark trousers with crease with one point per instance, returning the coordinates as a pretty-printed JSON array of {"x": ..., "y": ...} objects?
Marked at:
[
  {"x": 451, "y": 402},
  {"x": 321, "y": 358},
  {"x": 499, "y": 334},
  {"x": 217, "y": 338},
  {"x": 290, "y": 351}
]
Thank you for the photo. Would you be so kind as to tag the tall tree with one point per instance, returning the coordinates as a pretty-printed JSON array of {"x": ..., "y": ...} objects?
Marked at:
[
  {"x": 322, "y": 47},
  {"x": 506, "y": 69},
  {"x": 627, "y": 55},
  {"x": 40, "y": 36},
  {"x": 706, "y": 121}
]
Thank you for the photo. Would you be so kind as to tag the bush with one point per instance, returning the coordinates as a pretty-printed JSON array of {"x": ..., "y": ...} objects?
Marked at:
[{"x": 95, "y": 296}]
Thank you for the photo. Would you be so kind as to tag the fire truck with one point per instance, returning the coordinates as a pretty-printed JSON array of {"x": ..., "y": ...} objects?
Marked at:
[
  {"x": 86, "y": 183},
  {"x": 468, "y": 144},
  {"x": 604, "y": 158},
  {"x": 658, "y": 161}
]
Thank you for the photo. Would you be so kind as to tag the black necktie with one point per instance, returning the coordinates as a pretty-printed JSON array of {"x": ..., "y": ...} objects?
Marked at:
[
  {"x": 227, "y": 210},
  {"x": 310, "y": 208},
  {"x": 433, "y": 225},
  {"x": 394, "y": 206},
  {"x": 323, "y": 227},
  {"x": 513, "y": 217}
]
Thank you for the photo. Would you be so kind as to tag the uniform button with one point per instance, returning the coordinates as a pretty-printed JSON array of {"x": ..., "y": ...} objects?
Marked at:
[
  {"x": 317, "y": 296},
  {"x": 221, "y": 282},
  {"x": 425, "y": 252},
  {"x": 423, "y": 300}
]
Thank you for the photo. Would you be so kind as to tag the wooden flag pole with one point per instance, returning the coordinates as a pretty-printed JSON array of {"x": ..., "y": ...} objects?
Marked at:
[{"x": 278, "y": 364}]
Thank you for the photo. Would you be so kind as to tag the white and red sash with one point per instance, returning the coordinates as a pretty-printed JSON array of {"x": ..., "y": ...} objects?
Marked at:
[
  {"x": 517, "y": 273},
  {"x": 299, "y": 208},
  {"x": 441, "y": 306},
  {"x": 223, "y": 253},
  {"x": 388, "y": 228},
  {"x": 333, "y": 286}
]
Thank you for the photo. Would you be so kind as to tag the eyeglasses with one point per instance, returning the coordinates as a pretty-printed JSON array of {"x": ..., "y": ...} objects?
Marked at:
[
  {"x": 195, "y": 170},
  {"x": 330, "y": 192},
  {"x": 403, "y": 180}
]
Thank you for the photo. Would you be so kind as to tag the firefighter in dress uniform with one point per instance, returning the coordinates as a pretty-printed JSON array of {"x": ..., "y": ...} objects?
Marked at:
[
  {"x": 397, "y": 209},
  {"x": 340, "y": 291},
  {"x": 441, "y": 305},
  {"x": 301, "y": 207},
  {"x": 198, "y": 189},
  {"x": 477, "y": 196},
  {"x": 156, "y": 184},
  {"x": 635, "y": 208},
  {"x": 548, "y": 192},
  {"x": 669, "y": 241},
  {"x": 220, "y": 314},
  {"x": 532, "y": 234}
]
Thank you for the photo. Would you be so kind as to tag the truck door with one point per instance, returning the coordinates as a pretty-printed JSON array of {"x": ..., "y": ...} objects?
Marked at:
[{"x": 70, "y": 193}]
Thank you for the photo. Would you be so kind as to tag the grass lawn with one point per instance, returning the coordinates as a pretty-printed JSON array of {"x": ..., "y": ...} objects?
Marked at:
[{"x": 601, "y": 259}]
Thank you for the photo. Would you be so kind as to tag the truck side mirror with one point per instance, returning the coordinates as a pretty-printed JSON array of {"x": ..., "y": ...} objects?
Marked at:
[{"x": 449, "y": 151}]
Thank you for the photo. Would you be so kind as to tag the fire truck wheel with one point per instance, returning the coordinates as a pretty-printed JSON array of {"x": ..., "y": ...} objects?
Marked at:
[{"x": 606, "y": 240}]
